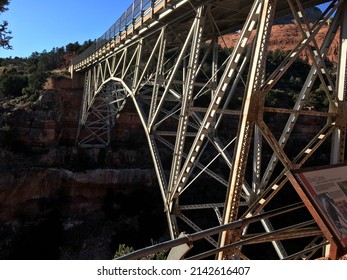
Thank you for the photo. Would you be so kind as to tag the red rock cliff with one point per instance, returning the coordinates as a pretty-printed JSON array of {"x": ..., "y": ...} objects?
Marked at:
[{"x": 285, "y": 37}]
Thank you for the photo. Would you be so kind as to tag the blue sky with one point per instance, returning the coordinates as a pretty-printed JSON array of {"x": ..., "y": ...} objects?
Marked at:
[
  {"x": 44, "y": 24},
  {"x": 39, "y": 25}
]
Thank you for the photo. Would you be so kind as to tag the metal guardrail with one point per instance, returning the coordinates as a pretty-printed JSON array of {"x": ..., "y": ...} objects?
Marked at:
[
  {"x": 133, "y": 16},
  {"x": 139, "y": 12},
  {"x": 190, "y": 238}
]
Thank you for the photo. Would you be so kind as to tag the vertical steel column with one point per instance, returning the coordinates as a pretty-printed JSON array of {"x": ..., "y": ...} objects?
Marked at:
[
  {"x": 214, "y": 66},
  {"x": 248, "y": 118},
  {"x": 339, "y": 134},
  {"x": 158, "y": 73},
  {"x": 257, "y": 156},
  {"x": 186, "y": 102},
  {"x": 137, "y": 67},
  {"x": 84, "y": 105}
]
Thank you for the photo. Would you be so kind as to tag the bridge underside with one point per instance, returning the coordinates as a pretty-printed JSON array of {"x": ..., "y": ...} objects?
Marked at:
[{"x": 210, "y": 109}]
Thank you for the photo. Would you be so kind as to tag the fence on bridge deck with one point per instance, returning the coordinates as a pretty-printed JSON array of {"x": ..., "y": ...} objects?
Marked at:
[{"x": 133, "y": 18}]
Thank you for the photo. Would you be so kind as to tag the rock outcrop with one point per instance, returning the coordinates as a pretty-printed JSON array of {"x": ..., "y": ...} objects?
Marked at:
[
  {"x": 28, "y": 187},
  {"x": 59, "y": 214},
  {"x": 285, "y": 37},
  {"x": 61, "y": 202}
]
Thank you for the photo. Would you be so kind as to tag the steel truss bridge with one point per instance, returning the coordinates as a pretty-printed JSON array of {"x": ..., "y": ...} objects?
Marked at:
[{"x": 228, "y": 154}]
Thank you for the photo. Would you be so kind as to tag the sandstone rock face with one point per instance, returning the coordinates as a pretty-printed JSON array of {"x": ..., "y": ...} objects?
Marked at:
[
  {"x": 28, "y": 186},
  {"x": 285, "y": 37},
  {"x": 61, "y": 202},
  {"x": 38, "y": 126},
  {"x": 48, "y": 127},
  {"x": 51, "y": 119},
  {"x": 54, "y": 213}
]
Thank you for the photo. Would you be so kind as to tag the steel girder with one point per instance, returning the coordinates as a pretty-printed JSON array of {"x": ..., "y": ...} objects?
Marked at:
[{"x": 217, "y": 155}]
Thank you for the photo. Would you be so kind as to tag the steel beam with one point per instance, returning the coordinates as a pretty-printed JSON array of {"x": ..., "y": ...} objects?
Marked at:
[{"x": 266, "y": 13}]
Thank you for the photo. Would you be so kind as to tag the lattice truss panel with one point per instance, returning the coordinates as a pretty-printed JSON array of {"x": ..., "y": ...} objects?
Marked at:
[{"x": 220, "y": 150}]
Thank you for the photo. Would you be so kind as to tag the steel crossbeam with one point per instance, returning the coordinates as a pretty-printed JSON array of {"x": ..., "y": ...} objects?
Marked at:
[{"x": 217, "y": 155}]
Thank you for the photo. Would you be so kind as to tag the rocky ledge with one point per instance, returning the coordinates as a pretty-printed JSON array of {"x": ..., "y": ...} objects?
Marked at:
[
  {"x": 26, "y": 188},
  {"x": 61, "y": 202},
  {"x": 55, "y": 213}
]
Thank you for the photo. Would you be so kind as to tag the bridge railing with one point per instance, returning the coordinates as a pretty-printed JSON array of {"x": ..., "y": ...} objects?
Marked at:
[{"x": 132, "y": 18}]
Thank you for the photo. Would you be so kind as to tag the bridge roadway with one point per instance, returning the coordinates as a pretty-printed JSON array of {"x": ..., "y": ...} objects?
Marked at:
[
  {"x": 144, "y": 16},
  {"x": 220, "y": 152}
]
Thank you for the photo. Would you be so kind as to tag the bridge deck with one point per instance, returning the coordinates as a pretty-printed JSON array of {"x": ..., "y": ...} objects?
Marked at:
[{"x": 144, "y": 17}]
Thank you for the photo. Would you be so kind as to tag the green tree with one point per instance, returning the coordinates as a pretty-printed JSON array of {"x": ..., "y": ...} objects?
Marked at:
[
  {"x": 39, "y": 65},
  {"x": 123, "y": 250},
  {"x": 85, "y": 46},
  {"x": 12, "y": 83},
  {"x": 318, "y": 99},
  {"x": 5, "y": 34},
  {"x": 73, "y": 47},
  {"x": 36, "y": 81}
]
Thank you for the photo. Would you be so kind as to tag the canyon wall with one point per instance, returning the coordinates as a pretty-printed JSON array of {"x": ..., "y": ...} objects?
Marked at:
[
  {"x": 285, "y": 37},
  {"x": 61, "y": 202}
]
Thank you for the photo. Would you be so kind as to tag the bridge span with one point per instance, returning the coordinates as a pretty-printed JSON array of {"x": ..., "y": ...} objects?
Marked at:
[{"x": 220, "y": 150}]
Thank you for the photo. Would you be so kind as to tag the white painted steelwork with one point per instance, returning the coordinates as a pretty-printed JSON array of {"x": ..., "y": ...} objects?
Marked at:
[{"x": 228, "y": 158}]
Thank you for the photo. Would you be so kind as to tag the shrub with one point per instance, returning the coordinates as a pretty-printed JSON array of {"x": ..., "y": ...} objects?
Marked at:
[
  {"x": 123, "y": 250},
  {"x": 11, "y": 84}
]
